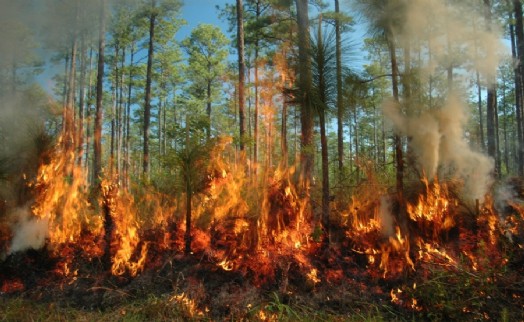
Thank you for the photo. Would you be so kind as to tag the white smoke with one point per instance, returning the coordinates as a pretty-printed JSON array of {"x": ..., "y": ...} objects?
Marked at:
[
  {"x": 386, "y": 217},
  {"x": 447, "y": 34},
  {"x": 437, "y": 139},
  {"x": 29, "y": 231}
]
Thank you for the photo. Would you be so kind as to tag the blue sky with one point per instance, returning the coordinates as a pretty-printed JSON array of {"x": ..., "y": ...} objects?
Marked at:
[
  {"x": 194, "y": 12},
  {"x": 201, "y": 11}
]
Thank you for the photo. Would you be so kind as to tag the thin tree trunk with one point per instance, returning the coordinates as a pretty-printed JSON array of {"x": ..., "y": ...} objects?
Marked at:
[
  {"x": 164, "y": 127},
  {"x": 283, "y": 136},
  {"x": 88, "y": 115},
  {"x": 340, "y": 104},
  {"x": 69, "y": 112},
  {"x": 114, "y": 89},
  {"x": 189, "y": 192},
  {"x": 97, "y": 148},
  {"x": 491, "y": 100},
  {"x": 120, "y": 117},
  {"x": 399, "y": 159},
  {"x": 64, "y": 89},
  {"x": 161, "y": 107},
  {"x": 128, "y": 117},
  {"x": 519, "y": 72},
  {"x": 482, "y": 141},
  {"x": 505, "y": 128},
  {"x": 81, "y": 103},
  {"x": 241, "y": 73},
  {"x": 255, "y": 116},
  {"x": 357, "y": 143},
  {"x": 147, "y": 104},
  {"x": 70, "y": 104},
  {"x": 208, "y": 109},
  {"x": 322, "y": 88},
  {"x": 97, "y": 162}
]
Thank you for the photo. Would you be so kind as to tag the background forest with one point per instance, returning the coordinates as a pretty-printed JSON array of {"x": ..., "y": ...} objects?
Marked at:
[
  {"x": 291, "y": 125},
  {"x": 127, "y": 79}
]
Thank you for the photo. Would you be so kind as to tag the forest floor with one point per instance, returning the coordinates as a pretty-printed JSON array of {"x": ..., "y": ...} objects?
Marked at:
[{"x": 337, "y": 284}]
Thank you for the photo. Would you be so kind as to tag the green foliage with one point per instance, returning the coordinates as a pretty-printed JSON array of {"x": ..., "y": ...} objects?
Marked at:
[
  {"x": 283, "y": 311},
  {"x": 463, "y": 293},
  {"x": 207, "y": 52}
]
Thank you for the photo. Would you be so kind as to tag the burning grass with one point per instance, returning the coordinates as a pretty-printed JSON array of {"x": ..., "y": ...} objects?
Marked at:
[{"x": 255, "y": 253}]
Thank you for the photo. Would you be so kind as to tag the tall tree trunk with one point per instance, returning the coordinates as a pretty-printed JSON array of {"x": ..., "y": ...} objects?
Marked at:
[
  {"x": 399, "y": 158},
  {"x": 97, "y": 162},
  {"x": 69, "y": 113},
  {"x": 505, "y": 128},
  {"x": 164, "y": 127},
  {"x": 323, "y": 136},
  {"x": 187, "y": 237},
  {"x": 208, "y": 108},
  {"x": 340, "y": 104},
  {"x": 64, "y": 89},
  {"x": 255, "y": 116},
  {"x": 283, "y": 136},
  {"x": 147, "y": 104},
  {"x": 304, "y": 82},
  {"x": 114, "y": 89},
  {"x": 491, "y": 99},
  {"x": 70, "y": 103},
  {"x": 128, "y": 117},
  {"x": 97, "y": 144},
  {"x": 88, "y": 116},
  {"x": 81, "y": 104},
  {"x": 189, "y": 191},
  {"x": 519, "y": 82},
  {"x": 482, "y": 141},
  {"x": 120, "y": 117},
  {"x": 241, "y": 72},
  {"x": 161, "y": 108},
  {"x": 356, "y": 144}
]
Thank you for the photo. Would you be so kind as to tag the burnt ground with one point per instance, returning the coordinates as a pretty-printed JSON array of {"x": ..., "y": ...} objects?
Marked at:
[{"x": 345, "y": 282}]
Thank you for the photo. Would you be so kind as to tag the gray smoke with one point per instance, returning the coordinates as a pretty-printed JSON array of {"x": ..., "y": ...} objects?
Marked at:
[{"x": 449, "y": 34}]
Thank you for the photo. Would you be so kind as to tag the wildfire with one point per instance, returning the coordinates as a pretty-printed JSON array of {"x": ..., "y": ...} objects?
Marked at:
[
  {"x": 260, "y": 229},
  {"x": 189, "y": 304},
  {"x": 126, "y": 239},
  {"x": 428, "y": 252},
  {"x": 433, "y": 209},
  {"x": 61, "y": 198}
]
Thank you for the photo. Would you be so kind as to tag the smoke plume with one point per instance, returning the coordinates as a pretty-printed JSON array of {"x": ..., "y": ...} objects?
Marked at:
[
  {"x": 29, "y": 232},
  {"x": 386, "y": 217},
  {"x": 452, "y": 41}
]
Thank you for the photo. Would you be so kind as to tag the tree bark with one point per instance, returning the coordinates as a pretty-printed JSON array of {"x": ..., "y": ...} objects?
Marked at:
[
  {"x": 97, "y": 144},
  {"x": 241, "y": 73},
  {"x": 69, "y": 133},
  {"x": 147, "y": 103},
  {"x": 519, "y": 72},
  {"x": 208, "y": 109},
  {"x": 491, "y": 99},
  {"x": 304, "y": 82},
  {"x": 322, "y": 89},
  {"x": 340, "y": 105},
  {"x": 127, "y": 162},
  {"x": 81, "y": 104},
  {"x": 255, "y": 116},
  {"x": 399, "y": 158}
]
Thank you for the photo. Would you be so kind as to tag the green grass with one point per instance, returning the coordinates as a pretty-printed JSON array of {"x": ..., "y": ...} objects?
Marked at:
[{"x": 166, "y": 309}]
